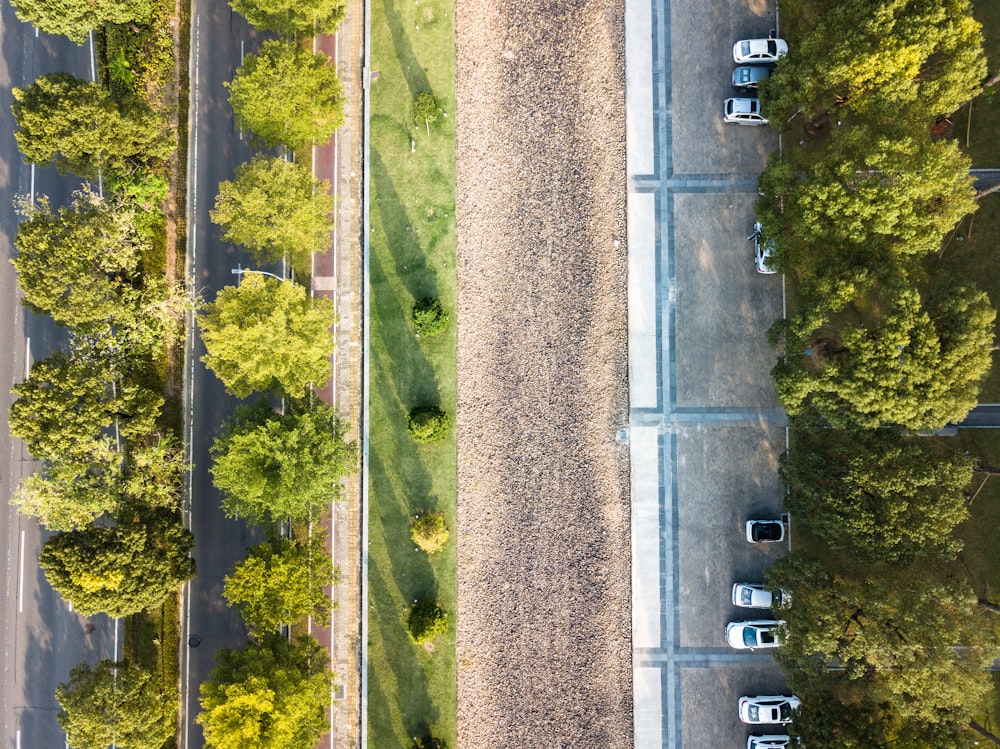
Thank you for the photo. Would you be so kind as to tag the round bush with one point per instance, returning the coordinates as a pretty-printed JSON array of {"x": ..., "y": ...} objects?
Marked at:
[
  {"x": 428, "y": 424},
  {"x": 429, "y": 317},
  {"x": 430, "y": 532},
  {"x": 429, "y": 742},
  {"x": 426, "y": 621}
]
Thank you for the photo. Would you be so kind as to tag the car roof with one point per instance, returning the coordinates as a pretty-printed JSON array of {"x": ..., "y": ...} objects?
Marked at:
[{"x": 744, "y": 105}]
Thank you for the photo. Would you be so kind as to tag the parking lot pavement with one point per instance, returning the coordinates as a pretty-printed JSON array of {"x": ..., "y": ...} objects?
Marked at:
[{"x": 706, "y": 428}]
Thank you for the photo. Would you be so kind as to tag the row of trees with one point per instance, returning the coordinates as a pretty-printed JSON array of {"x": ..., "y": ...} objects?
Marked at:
[
  {"x": 268, "y": 338},
  {"x": 857, "y": 213},
  {"x": 885, "y": 643}
]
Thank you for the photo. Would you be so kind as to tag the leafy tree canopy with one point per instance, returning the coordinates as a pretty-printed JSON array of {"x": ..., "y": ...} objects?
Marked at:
[
  {"x": 877, "y": 59},
  {"x": 269, "y": 696},
  {"x": 77, "y": 126},
  {"x": 918, "y": 366},
  {"x": 122, "y": 569},
  {"x": 268, "y": 335},
  {"x": 876, "y": 493},
  {"x": 76, "y": 18},
  {"x": 272, "y": 467},
  {"x": 275, "y": 208},
  {"x": 286, "y": 95},
  {"x": 293, "y": 17},
  {"x": 282, "y": 582},
  {"x": 113, "y": 704}
]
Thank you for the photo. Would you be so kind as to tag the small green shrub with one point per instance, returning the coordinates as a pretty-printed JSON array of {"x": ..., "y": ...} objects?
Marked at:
[
  {"x": 430, "y": 532},
  {"x": 429, "y": 317},
  {"x": 426, "y": 109},
  {"x": 429, "y": 742},
  {"x": 426, "y": 621},
  {"x": 428, "y": 424}
]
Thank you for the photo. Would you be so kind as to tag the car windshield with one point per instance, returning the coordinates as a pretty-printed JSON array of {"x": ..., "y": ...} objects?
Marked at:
[
  {"x": 745, "y": 48},
  {"x": 772, "y": 47},
  {"x": 785, "y": 712},
  {"x": 750, "y": 637},
  {"x": 767, "y": 636},
  {"x": 752, "y": 713},
  {"x": 766, "y": 531},
  {"x": 746, "y": 596}
]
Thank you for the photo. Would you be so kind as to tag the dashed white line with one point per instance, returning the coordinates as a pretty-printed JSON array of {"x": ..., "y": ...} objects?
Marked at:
[{"x": 20, "y": 584}]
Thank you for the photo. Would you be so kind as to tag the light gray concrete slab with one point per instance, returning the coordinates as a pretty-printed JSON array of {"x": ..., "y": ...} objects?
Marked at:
[
  {"x": 642, "y": 322},
  {"x": 725, "y": 476},
  {"x": 639, "y": 88},
  {"x": 647, "y": 585},
  {"x": 724, "y": 307},
  {"x": 647, "y": 688},
  {"x": 708, "y": 703},
  {"x": 701, "y": 42}
]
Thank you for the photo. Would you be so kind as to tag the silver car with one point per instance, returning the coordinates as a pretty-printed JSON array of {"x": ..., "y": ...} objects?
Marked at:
[
  {"x": 752, "y": 596},
  {"x": 759, "y": 50},
  {"x": 754, "y": 634},
  {"x": 763, "y": 249},
  {"x": 742, "y": 111},
  {"x": 768, "y": 742},
  {"x": 749, "y": 76},
  {"x": 772, "y": 709}
]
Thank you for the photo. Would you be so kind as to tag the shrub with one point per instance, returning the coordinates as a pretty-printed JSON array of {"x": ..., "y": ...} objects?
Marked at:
[
  {"x": 430, "y": 532},
  {"x": 429, "y": 317},
  {"x": 429, "y": 742},
  {"x": 428, "y": 424},
  {"x": 426, "y": 621},
  {"x": 426, "y": 109}
]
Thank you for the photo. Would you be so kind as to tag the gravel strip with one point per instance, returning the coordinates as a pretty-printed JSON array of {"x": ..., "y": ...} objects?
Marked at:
[{"x": 544, "y": 606}]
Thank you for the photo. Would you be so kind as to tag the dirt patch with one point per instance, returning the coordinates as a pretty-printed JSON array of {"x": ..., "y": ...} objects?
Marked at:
[{"x": 543, "y": 621}]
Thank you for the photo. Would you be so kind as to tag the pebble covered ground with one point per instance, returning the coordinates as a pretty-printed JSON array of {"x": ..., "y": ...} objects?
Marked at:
[{"x": 544, "y": 607}]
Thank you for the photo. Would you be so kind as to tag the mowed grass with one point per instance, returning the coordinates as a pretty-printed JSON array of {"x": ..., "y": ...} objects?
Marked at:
[{"x": 411, "y": 688}]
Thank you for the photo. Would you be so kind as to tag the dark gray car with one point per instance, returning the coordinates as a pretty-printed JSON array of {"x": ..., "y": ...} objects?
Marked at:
[{"x": 748, "y": 76}]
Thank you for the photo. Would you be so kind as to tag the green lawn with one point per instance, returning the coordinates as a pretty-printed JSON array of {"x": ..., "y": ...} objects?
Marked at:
[{"x": 411, "y": 688}]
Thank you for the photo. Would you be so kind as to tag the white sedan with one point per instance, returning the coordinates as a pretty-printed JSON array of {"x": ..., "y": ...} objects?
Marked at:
[
  {"x": 751, "y": 635},
  {"x": 751, "y": 596},
  {"x": 768, "y": 742},
  {"x": 759, "y": 50},
  {"x": 776, "y": 709}
]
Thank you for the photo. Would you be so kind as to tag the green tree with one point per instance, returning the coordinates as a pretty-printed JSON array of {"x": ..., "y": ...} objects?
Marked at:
[
  {"x": 113, "y": 704},
  {"x": 122, "y": 569},
  {"x": 71, "y": 495},
  {"x": 269, "y": 696},
  {"x": 77, "y": 126},
  {"x": 286, "y": 95},
  {"x": 428, "y": 424},
  {"x": 430, "y": 532},
  {"x": 75, "y": 18},
  {"x": 293, "y": 17},
  {"x": 918, "y": 366},
  {"x": 272, "y": 467},
  {"x": 268, "y": 335},
  {"x": 426, "y": 109},
  {"x": 426, "y": 621},
  {"x": 922, "y": 58},
  {"x": 276, "y": 209},
  {"x": 877, "y": 493},
  {"x": 282, "y": 582},
  {"x": 69, "y": 401}
]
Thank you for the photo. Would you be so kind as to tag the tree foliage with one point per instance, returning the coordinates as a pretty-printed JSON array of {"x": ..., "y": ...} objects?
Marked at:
[
  {"x": 282, "y": 582},
  {"x": 293, "y": 17},
  {"x": 269, "y": 696},
  {"x": 426, "y": 621},
  {"x": 76, "y": 18},
  {"x": 113, "y": 704},
  {"x": 120, "y": 569},
  {"x": 428, "y": 424},
  {"x": 268, "y": 335},
  {"x": 918, "y": 366},
  {"x": 276, "y": 209},
  {"x": 79, "y": 127},
  {"x": 271, "y": 467},
  {"x": 430, "y": 532},
  {"x": 429, "y": 318},
  {"x": 876, "y": 59},
  {"x": 876, "y": 493},
  {"x": 286, "y": 95}
]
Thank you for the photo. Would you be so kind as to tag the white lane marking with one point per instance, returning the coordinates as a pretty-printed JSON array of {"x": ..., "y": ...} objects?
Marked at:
[
  {"x": 20, "y": 578},
  {"x": 18, "y": 738},
  {"x": 93, "y": 63},
  {"x": 27, "y": 357},
  {"x": 32, "y": 185}
]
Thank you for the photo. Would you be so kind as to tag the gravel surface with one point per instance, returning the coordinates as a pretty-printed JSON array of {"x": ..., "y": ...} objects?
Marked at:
[{"x": 544, "y": 607}]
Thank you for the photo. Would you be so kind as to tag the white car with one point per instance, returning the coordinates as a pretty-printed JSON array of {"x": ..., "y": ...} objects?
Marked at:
[
  {"x": 754, "y": 634},
  {"x": 763, "y": 249},
  {"x": 772, "y": 709},
  {"x": 759, "y": 50},
  {"x": 742, "y": 111},
  {"x": 765, "y": 531},
  {"x": 752, "y": 596},
  {"x": 768, "y": 742}
]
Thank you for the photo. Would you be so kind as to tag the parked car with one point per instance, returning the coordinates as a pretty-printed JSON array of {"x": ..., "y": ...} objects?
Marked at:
[
  {"x": 742, "y": 111},
  {"x": 771, "y": 709},
  {"x": 748, "y": 76},
  {"x": 754, "y": 634},
  {"x": 752, "y": 596},
  {"x": 759, "y": 50},
  {"x": 763, "y": 249},
  {"x": 765, "y": 531},
  {"x": 768, "y": 742}
]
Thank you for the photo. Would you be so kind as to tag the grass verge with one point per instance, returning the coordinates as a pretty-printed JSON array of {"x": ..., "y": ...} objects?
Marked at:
[{"x": 411, "y": 688}]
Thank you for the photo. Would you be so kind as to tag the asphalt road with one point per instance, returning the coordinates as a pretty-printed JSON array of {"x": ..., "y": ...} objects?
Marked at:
[
  {"x": 218, "y": 38},
  {"x": 42, "y": 638}
]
